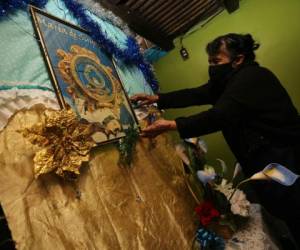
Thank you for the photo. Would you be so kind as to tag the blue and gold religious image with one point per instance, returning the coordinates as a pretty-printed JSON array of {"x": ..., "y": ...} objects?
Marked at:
[{"x": 84, "y": 77}]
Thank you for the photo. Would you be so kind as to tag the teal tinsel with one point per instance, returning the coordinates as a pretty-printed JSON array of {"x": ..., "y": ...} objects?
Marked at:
[{"x": 131, "y": 54}]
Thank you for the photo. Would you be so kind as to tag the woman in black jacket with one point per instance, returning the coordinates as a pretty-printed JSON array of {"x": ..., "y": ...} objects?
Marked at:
[{"x": 254, "y": 112}]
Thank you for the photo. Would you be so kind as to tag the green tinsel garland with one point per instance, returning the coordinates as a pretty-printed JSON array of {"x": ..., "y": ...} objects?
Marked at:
[{"x": 127, "y": 145}]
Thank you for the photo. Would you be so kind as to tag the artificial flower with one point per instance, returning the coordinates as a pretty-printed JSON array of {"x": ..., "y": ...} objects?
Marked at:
[
  {"x": 277, "y": 173},
  {"x": 239, "y": 204},
  {"x": 224, "y": 187},
  {"x": 198, "y": 142},
  {"x": 65, "y": 142},
  {"x": 206, "y": 212},
  {"x": 207, "y": 175},
  {"x": 202, "y": 145},
  {"x": 224, "y": 166},
  {"x": 237, "y": 170}
]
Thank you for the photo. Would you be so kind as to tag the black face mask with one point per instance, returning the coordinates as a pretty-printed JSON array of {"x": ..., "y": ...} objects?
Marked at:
[{"x": 219, "y": 73}]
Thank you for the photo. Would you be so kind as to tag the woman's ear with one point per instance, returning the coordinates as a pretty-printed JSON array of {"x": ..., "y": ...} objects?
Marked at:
[{"x": 238, "y": 60}]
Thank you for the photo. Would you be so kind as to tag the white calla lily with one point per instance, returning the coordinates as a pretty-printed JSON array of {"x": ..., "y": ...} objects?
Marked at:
[
  {"x": 237, "y": 170},
  {"x": 198, "y": 142},
  {"x": 202, "y": 145},
  {"x": 259, "y": 176},
  {"x": 206, "y": 175},
  {"x": 192, "y": 140},
  {"x": 223, "y": 165},
  {"x": 277, "y": 173}
]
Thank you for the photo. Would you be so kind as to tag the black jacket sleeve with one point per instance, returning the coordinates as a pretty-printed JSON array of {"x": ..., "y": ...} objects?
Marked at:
[
  {"x": 224, "y": 113},
  {"x": 241, "y": 96},
  {"x": 186, "y": 97}
]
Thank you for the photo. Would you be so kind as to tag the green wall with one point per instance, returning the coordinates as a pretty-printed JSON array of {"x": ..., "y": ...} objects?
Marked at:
[{"x": 275, "y": 24}]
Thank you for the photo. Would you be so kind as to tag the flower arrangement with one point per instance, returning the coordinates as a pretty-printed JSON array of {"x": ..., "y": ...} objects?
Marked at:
[{"x": 222, "y": 209}]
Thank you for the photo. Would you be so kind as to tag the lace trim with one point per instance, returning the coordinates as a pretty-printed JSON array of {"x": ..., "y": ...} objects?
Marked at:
[{"x": 254, "y": 236}]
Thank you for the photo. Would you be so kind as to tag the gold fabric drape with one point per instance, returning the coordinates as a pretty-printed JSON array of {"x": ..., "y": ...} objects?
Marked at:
[{"x": 144, "y": 207}]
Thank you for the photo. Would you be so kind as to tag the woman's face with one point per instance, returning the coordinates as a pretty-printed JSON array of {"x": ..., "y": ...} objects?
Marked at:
[
  {"x": 221, "y": 58},
  {"x": 224, "y": 57}
]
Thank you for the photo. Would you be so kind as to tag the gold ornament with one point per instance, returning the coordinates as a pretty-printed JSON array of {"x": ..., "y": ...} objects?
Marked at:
[
  {"x": 66, "y": 142},
  {"x": 95, "y": 92}
]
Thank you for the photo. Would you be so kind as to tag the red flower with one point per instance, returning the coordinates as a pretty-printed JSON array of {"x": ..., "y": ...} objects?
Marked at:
[{"x": 206, "y": 212}]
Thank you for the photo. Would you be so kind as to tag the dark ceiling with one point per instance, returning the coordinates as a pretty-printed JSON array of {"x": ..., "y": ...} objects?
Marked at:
[{"x": 160, "y": 21}]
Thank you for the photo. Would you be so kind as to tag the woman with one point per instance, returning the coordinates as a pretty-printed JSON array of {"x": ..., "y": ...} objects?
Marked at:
[{"x": 254, "y": 112}]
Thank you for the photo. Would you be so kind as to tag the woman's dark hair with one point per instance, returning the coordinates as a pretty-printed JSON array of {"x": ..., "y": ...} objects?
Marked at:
[{"x": 235, "y": 44}]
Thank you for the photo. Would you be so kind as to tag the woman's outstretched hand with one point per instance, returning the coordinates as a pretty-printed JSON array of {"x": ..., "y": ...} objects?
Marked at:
[
  {"x": 144, "y": 99},
  {"x": 158, "y": 127}
]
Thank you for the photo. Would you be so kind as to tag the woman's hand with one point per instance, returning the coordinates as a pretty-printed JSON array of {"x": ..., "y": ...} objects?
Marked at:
[
  {"x": 144, "y": 99},
  {"x": 158, "y": 127}
]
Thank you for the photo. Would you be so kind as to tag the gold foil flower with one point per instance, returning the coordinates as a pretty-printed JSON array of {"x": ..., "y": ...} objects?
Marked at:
[{"x": 65, "y": 140}]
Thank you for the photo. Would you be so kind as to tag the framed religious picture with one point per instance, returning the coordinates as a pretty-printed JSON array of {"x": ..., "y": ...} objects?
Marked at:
[{"x": 84, "y": 77}]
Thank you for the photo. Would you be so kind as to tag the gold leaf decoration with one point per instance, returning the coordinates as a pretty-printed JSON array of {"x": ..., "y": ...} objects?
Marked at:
[{"x": 65, "y": 143}]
